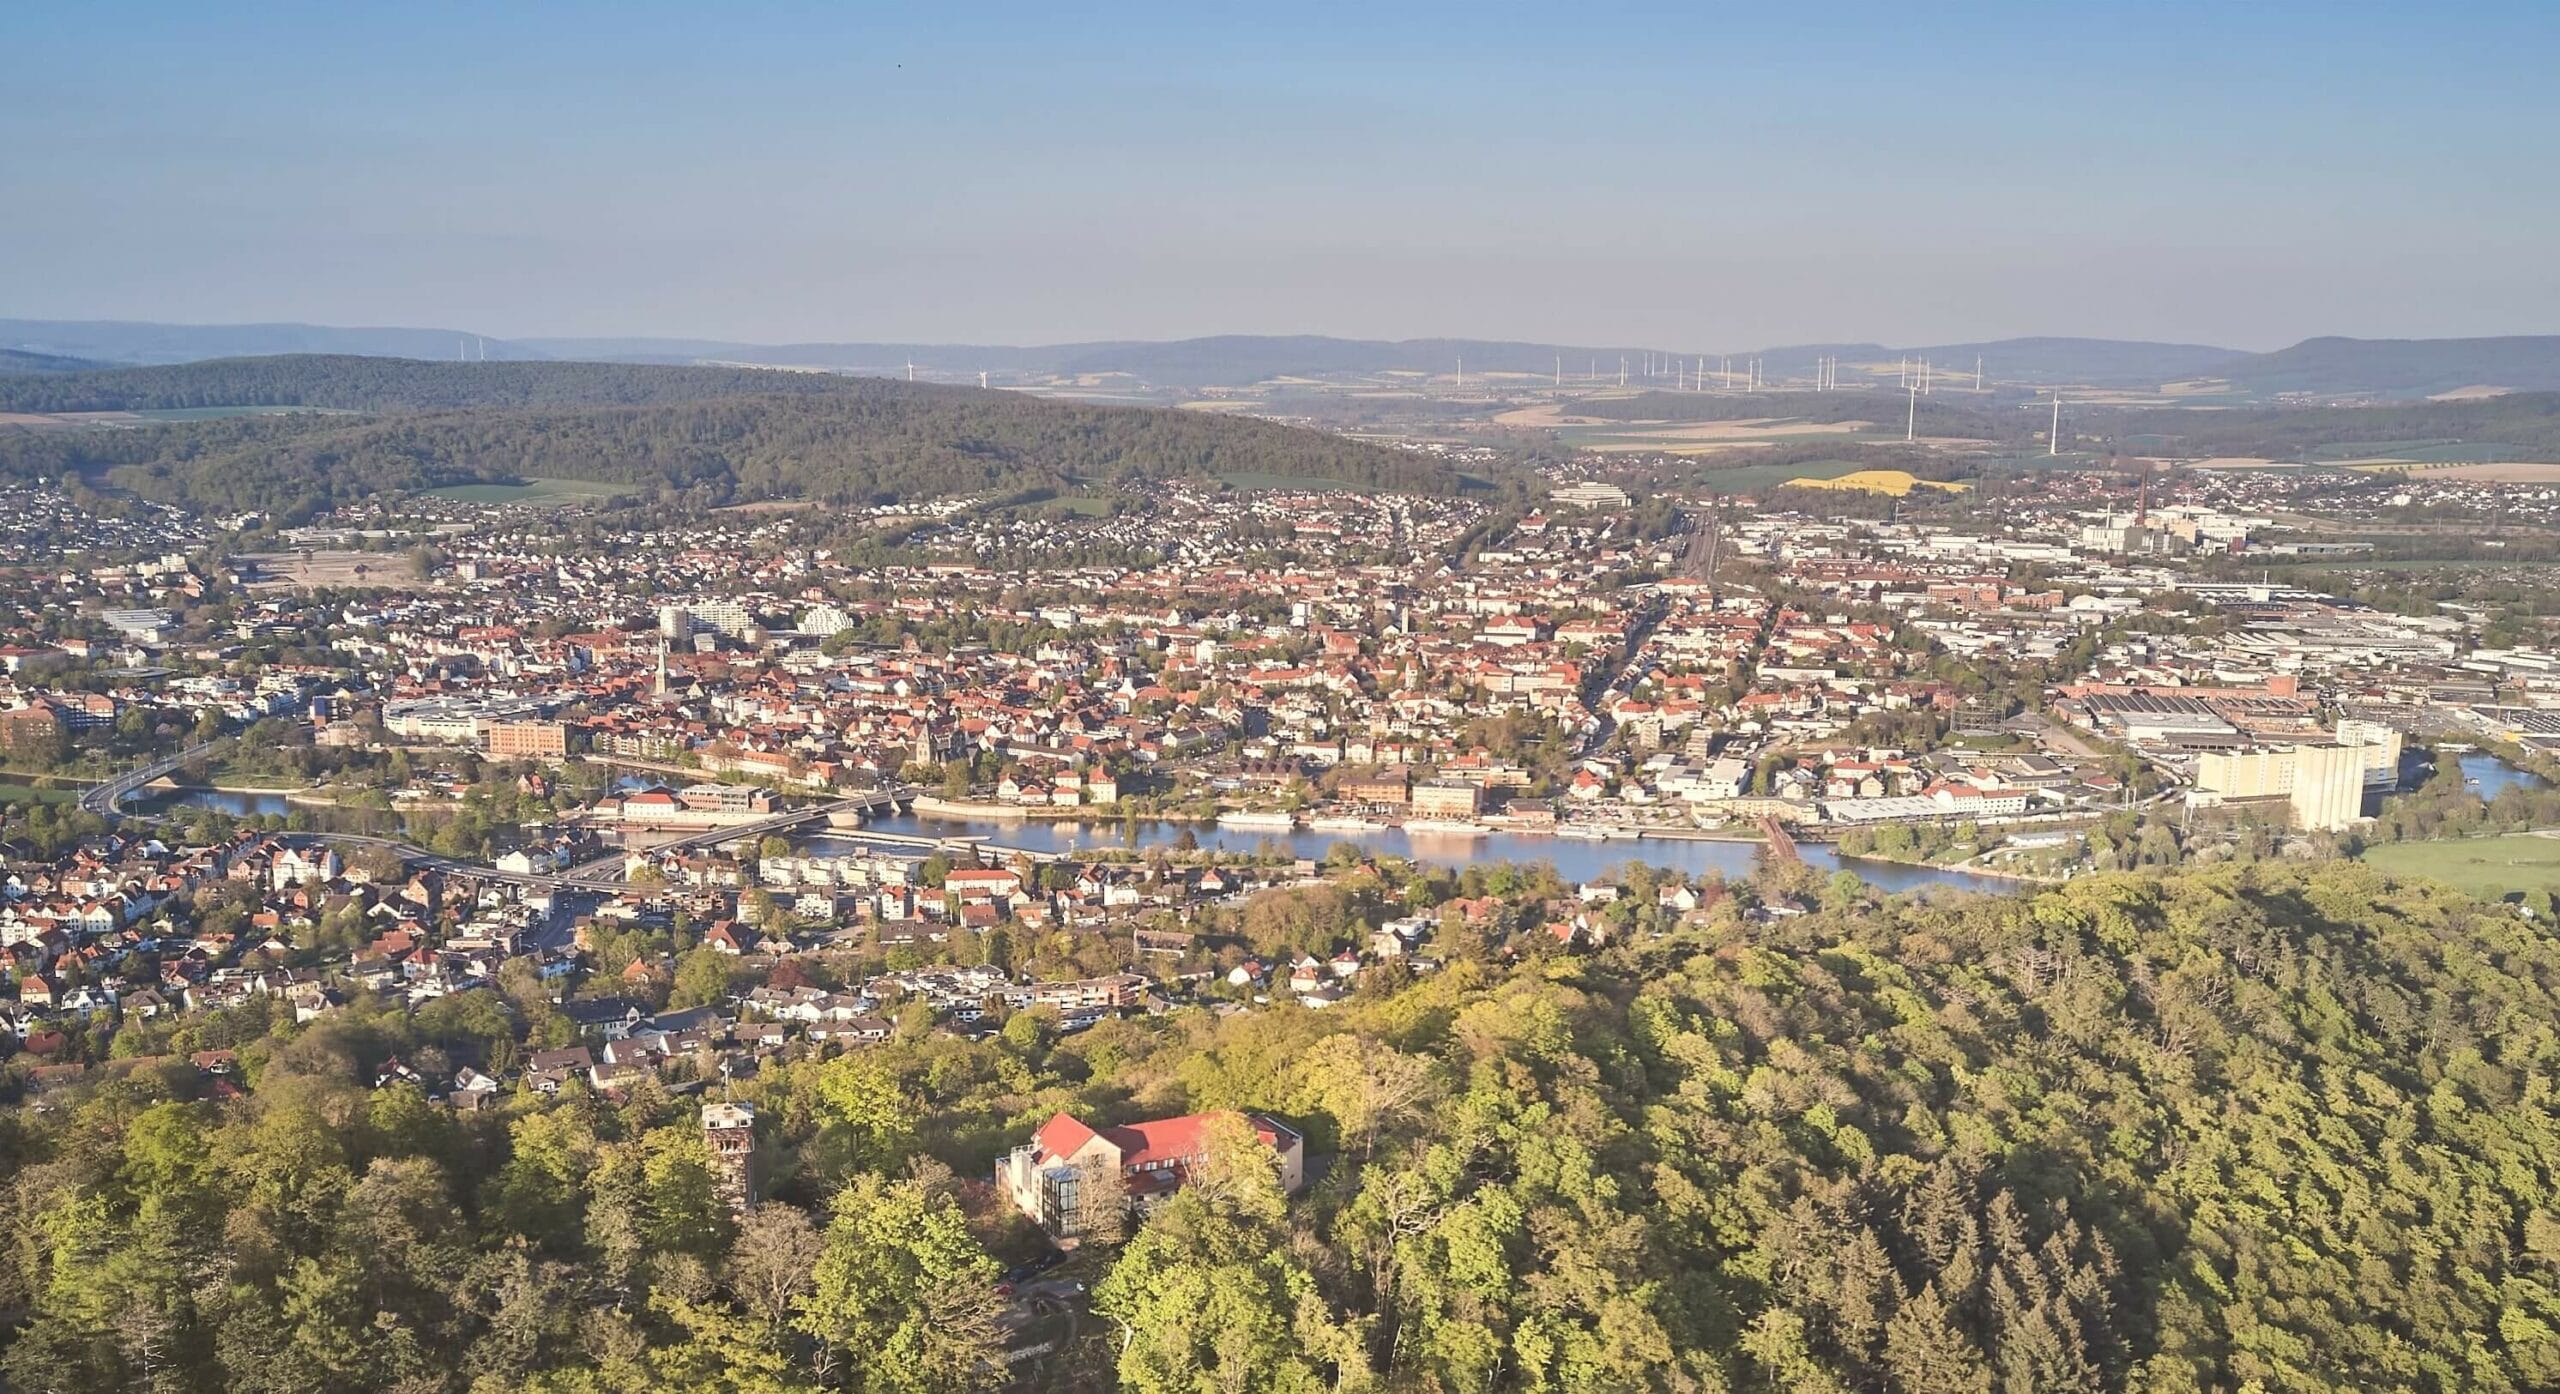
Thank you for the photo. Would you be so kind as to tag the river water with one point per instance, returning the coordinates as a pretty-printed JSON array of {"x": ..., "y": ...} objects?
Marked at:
[
  {"x": 2487, "y": 775},
  {"x": 1574, "y": 860}
]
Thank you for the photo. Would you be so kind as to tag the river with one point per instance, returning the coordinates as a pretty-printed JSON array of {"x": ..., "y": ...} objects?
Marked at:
[
  {"x": 1574, "y": 860},
  {"x": 2487, "y": 775},
  {"x": 237, "y": 804}
]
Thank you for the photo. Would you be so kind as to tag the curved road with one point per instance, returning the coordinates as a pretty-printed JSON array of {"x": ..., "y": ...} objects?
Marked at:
[{"x": 107, "y": 800}]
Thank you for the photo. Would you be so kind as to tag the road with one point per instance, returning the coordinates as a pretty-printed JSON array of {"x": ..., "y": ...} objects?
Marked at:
[{"x": 1623, "y": 675}]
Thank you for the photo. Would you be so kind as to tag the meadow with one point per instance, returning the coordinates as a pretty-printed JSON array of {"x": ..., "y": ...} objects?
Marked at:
[{"x": 2487, "y": 867}]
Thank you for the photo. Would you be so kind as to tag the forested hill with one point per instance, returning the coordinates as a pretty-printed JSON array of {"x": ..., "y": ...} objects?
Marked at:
[
  {"x": 2287, "y": 1130},
  {"x": 347, "y": 382},
  {"x": 2404, "y": 367},
  {"x": 15, "y": 362},
  {"x": 713, "y": 435},
  {"x": 2517, "y": 426}
]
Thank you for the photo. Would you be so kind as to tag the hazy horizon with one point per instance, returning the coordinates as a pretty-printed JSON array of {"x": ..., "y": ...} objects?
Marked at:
[{"x": 2184, "y": 173}]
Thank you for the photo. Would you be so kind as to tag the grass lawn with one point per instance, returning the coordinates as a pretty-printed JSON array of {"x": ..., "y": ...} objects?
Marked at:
[
  {"x": 538, "y": 493},
  {"x": 2487, "y": 867},
  {"x": 30, "y": 794}
]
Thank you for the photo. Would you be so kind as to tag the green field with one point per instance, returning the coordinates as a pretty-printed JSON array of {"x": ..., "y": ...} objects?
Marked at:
[
  {"x": 30, "y": 794},
  {"x": 2488, "y": 867},
  {"x": 1759, "y": 479},
  {"x": 533, "y": 493}
]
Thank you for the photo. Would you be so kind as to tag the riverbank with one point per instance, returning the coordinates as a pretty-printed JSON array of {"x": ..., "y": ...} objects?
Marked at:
[
  {"x": 931, "y": 806},
  {"x": 1575, "y": 859}
]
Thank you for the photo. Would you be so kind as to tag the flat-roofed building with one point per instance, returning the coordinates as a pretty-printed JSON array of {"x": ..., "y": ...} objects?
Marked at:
[{"x": 538, "y": 740}]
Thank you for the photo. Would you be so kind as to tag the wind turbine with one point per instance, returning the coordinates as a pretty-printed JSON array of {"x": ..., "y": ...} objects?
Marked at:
[
  {"x": 1911, "y": 421},
  {"x": 2053, "y": 437}
]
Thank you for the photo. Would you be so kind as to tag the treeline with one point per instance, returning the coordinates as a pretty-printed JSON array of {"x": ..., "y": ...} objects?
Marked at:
[
  {"x": 837, "y": 440},
  {"x": 2523, "y": 425},
  {"x": 2270, "y": 1128}
]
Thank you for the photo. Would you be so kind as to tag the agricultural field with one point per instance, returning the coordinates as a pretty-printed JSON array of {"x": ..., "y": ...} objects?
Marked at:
[
  {"x": 2487, "y": 867},
  {"x": 532, "y": 493},
  {"x": 1899, "y": 483},
  {"x": 1703, "y": 437},
  {"x": 1756, "y": 479}
]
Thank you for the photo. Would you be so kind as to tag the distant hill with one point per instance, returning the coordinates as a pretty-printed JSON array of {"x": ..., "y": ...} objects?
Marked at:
[
  {"x": 2095, "y": 362},
  {"x": 19, "y": 362},
  {"x": 884, "y": 360},
  {"x": 354, "y": 383},
  {"x": 1238, "y": 360},
  {"x": 709, "y": 435},
  {"x": 2329, "y": 366},
  {"x": 2088, "y": 362},
  {"x": 2403, "y": 367},
  {"x": 132, "y": 341},
  {"x": 2517, "y": 426}
]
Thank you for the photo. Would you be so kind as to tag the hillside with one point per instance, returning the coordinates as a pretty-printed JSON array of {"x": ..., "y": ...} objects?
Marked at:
[
  {"x": 2403, "y": 367},
  {"x": 2099, "y": 362},
  {"x": 20, "y": 362},
  {"x": 2519, "y": 426},
  {"x": 2253, "y": 1128},
  {"x": 341, "y": 382},
  {"x": 713, "y": 435},
  {"x": 140, "y": 341}
]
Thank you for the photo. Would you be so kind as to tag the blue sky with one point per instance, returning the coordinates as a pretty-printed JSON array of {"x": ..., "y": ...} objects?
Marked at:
[{"x": 1693, "y": 176}]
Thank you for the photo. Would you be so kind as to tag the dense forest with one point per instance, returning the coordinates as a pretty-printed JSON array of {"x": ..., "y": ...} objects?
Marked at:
[
  {"x": 716, "y": 435},
  {"x": 21, "y": 363},
  {"x": 2252, "y": 1128}
]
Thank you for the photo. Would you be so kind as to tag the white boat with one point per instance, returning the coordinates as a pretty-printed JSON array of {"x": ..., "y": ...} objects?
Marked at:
[
  {"x": 1345, "y": 824},
  {"x": 1258, "y": 822},
  {"x": 1583, "y": 832},
  {"x": 1446, "y": 827}
]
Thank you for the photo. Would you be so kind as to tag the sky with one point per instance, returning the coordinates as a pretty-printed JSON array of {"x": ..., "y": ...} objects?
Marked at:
[{"x": 1694, "y": 176}]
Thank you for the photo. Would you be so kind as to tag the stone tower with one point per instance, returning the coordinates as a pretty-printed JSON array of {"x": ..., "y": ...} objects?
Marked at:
[{"x": 729, "y": 1130}]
